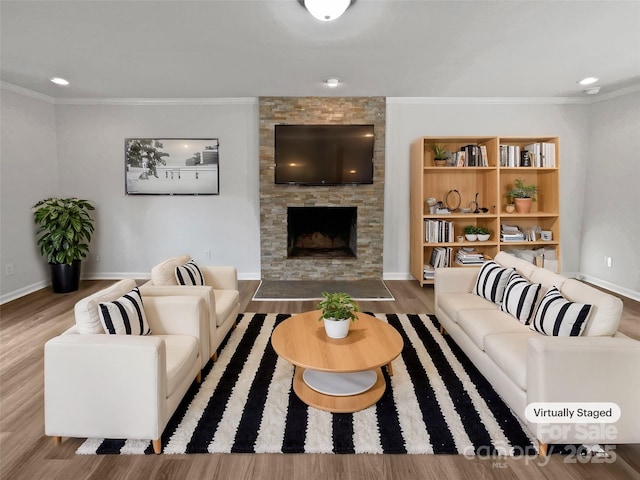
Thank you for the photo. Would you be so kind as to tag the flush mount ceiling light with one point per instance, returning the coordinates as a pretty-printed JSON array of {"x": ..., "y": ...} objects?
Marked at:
[
  {"x": 332, "y": 82},
  {"x": 592, "y": 91},
  {"x": 326, "y": 10},
  {"x": 588, "y": 81},
  {"x": 59, "y": 81}
]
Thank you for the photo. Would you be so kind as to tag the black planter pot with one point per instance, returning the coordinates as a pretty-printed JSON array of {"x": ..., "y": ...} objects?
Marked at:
[{"x": 65, "y": 278}]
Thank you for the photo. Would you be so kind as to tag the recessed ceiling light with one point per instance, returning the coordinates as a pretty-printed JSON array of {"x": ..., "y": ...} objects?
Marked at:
[
  {"x": 588, "y": 81},
  {"x": 326, "y": 10},
  {"x": 332, "y": 82},
  {"x": 592, "y": 91},
  {"x": 60, "y": 81}
]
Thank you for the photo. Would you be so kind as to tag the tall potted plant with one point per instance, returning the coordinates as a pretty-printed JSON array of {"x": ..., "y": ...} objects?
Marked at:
[
  {"x": 63, "y": 235},
  {"x": 523, "y": 195},
  {"x": 338, "y": 311}
]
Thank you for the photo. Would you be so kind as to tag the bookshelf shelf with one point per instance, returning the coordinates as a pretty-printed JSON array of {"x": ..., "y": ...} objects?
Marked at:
[{"x": 489, "y": 184}]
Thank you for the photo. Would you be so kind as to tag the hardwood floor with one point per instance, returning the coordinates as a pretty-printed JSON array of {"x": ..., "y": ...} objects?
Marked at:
[{"x": 26, "y": 453}]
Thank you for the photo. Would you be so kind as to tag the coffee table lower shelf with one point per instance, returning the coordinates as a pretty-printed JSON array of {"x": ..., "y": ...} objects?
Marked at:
[{"x": 338, "y": 404}]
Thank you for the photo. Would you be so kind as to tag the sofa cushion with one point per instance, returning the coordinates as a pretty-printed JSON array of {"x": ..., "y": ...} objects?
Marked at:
[
  {"x": 181, "y": 354},
  {"x": 189, "y": 274},
  {"x": 523, "y": 267},
  {"x": 453, "y": 303},
  {"x": 226, "y": 301},
  {"x": 509, "y": 353},
  {"x": 492, "y": 281},
  {"x": 86, "y": 310},
  {"x": 125, "y": 315},
  {"x": 165, "y": 272},
  {"x": 520, "y": 298},
  {"x": 547, "y": 278},
  {"x": 606, "y": 311},
  {"x": 559, "y": 317},
  {"x": 478, "y": 324}
]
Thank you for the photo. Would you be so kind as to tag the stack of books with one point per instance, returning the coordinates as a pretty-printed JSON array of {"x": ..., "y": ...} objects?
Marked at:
[
  {"x": 429, "y": 273},
  {"x": 511, "y": 233},
  {"x": 465, "y": 257}
]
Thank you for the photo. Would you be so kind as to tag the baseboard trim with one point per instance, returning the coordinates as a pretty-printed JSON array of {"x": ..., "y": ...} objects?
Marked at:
[
  {"x": 625, "y": 292},
  {"x": 397, "y": 276},
  {"x": 21, "y": 292}
]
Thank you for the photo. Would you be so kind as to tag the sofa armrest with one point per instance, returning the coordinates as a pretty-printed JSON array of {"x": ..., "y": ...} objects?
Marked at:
[
  {"x": 205, "y": 292},
  {"x": 588, "y": 369},
  {"x": 220, "y": 277},
  {"x": 102, "y": 385},
  {"x": 180, "y": 315},
  {"x": 455, "y": 280}
]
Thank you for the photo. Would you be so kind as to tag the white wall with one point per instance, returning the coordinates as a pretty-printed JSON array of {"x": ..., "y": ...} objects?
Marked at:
[
  {"x": 611, "y": 223},
  {"x": 133, "y": 233},
  {"x": 29, "y": 173},
  {"x": 408, "y": 119}
]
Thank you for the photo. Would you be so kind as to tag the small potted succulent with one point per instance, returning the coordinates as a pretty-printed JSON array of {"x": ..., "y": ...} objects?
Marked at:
[
  {"x": 440, "y": 154},
  {"x": 471, "y": 233},
  {"x": 338, "y": 311},
  {"x": 523, "y": 195},
  {"x": 483, "y": 234}
]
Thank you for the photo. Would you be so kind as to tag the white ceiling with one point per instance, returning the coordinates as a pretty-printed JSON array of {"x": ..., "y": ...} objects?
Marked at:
[{"x": 245, "y": 48}]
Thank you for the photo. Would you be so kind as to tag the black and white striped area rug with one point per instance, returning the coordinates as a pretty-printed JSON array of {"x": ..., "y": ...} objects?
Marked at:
[{"x": 436, "y": 402}]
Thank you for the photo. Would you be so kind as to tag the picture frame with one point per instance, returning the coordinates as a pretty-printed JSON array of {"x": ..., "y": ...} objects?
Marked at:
[{"x": 172, "y": 166}]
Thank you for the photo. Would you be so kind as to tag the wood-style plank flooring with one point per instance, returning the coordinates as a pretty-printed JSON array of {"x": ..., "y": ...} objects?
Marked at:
[{"x": 26, "y": 453}]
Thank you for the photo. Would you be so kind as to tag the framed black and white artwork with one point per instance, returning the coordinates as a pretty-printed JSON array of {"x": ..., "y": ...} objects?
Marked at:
[{"x": 172, "y": 166}]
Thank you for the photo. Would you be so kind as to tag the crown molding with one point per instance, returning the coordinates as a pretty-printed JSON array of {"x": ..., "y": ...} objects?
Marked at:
[
  {"x": 488, "y": 100},
  {"x": 158, "y": 101},
  {"x": 26, "y": 92}
]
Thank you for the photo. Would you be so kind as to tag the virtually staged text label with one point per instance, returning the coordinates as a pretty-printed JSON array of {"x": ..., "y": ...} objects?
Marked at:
[{"x": 572, "y": 412}]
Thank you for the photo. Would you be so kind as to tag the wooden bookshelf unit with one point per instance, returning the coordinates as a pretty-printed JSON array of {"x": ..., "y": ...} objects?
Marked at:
[{"x": 490, "y": 183}]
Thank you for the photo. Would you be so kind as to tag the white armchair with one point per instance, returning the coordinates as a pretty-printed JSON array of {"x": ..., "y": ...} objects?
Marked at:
[
  {"x": 220, "y": 293},
  {"x": 123, "y": 386}
]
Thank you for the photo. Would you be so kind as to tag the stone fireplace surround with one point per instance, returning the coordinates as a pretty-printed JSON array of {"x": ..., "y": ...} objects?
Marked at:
[{"x": 275, "y": 199}]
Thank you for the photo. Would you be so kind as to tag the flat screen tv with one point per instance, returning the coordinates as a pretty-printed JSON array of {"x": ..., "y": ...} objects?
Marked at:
[{"x": 324, "y": 154}]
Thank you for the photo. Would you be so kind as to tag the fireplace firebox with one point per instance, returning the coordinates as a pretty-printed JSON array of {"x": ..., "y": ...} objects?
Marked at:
[{"x": 329, "y": 232}]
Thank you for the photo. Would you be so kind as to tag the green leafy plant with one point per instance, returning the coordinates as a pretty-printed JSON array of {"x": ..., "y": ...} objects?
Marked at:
[
  {"x": 470, "y": 230},
  {"x": 338, "y": 306},
  {"x": 439, "y": 152},
  {"x": 483, "y": 231},
  {"x": 520, "y": 190},
  {"x": 64, "y": 228}
]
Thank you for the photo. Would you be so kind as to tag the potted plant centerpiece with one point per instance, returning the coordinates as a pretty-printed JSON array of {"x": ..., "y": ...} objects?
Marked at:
[
  {"x": 523, "y": 195},
  {"x": 440, "y": 154},
  {"x": 338, "y": 311},
  {"x": 64, "y": 232},
  {"x": 471, "y": 233}
]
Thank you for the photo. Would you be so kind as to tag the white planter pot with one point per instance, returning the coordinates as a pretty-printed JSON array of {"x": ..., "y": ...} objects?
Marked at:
[
  {"x": 484, "y": 238},
  {"x": 471, "y": 237},
  {"x": 336, "y": 328}
]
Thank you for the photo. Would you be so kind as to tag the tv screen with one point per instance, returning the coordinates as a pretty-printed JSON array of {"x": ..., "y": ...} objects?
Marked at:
[{"x": 324, "y": 154}]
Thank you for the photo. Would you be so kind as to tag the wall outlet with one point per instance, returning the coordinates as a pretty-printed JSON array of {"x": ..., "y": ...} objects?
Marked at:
[
  {"x": 208, "y": 254},
  {"x": 608, "y": 261},
  {"x": 97, "y": 258},
  {"x": 8, "y": 269}
]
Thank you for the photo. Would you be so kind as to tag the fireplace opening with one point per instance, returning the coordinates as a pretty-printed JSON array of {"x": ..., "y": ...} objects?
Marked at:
[{"x": 321, "y": 232}]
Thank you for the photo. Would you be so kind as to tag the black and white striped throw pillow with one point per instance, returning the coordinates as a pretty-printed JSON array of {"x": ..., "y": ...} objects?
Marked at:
[
  {"x": 520, "y": 298},
  {"x": 125, "y": 316},
  {"x": 559, "y": 317},
  {"x": 492, "y": 281},
  {"x": 189, "y": 274}
]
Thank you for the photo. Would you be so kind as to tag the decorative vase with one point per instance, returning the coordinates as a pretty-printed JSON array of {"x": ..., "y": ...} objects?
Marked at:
[
  {"x": 483, "y": 237},
  {"x": 510, "y": 208},
  {"x": 337, "y": 328},
  {"x": 523, "y": 205},
  {"x": 471, "y": 237}
]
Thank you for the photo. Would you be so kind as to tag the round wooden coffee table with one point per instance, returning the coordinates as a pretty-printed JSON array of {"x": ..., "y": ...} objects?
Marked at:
[{"x": 340, "y": 370}]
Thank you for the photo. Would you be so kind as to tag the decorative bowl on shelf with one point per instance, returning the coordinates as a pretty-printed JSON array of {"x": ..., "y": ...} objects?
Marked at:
[{"x": 471, "y": 237}]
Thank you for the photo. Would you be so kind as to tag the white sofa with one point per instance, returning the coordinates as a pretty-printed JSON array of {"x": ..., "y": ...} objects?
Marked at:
[
  {"x": 525, "y": 366},
  {"x": 123, "y": 386},
  {"x": 220, "y": 292}
]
